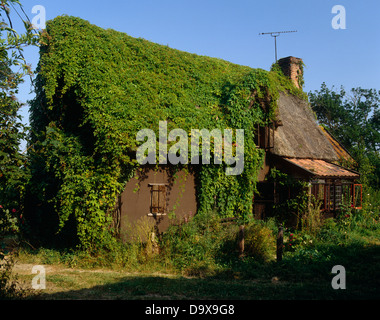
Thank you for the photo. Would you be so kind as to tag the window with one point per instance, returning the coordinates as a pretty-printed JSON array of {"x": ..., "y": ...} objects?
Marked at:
[
  {"x": 264, "y": 137},
  {"x": 318, "y": 190},
  {"x": 336, "y": 195},
  {"x": 329, "y": 197},
  {"x": 158, "y": 199},
  {"x": 357, "y": 192},
  {"x": 346, "y": 195}
]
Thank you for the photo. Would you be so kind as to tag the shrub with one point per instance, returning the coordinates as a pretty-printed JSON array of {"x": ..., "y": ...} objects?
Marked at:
[
  {"x": 10, "y": 287},
  {"x": 259, "y": 241},
  {"x": 9, "y": 222},
  {"x": 298, "y": 240},
  {"x": 192, "y": 246},
  {"x": 312, "y": 219},
  {"x": 204, "y": 245}
]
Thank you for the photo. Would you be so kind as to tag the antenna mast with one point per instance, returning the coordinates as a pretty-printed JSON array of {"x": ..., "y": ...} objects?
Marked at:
[{"x": 275, "y": 35}]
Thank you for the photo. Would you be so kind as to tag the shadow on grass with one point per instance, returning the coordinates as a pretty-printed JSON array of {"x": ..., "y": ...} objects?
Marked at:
[
  {"x": 295, "y": 278},
  {"x": 161, "y": 288}
]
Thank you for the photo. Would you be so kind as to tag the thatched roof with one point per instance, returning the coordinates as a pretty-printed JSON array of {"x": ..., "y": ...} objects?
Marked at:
[
  {"x": 340, "y": 150},
  {"x": 300, "y": 135}
]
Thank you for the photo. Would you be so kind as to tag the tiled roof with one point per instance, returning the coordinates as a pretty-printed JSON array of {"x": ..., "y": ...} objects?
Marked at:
[{"x": 321, "y": 168}]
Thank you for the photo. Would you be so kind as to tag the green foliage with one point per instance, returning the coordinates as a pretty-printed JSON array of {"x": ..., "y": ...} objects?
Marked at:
[
  {"x": 192, "y": 247},
  {"x": 10, "y": 286},
  {"x": 204, "y": 245},
  {"x": 289, "y": 210},
  {"x": 97, "y": 88},
  {"x": 10, "y": 221},
  {"x": 301, "y": 80},
  {"x": 297, "y": 239},
  {"x": 312, "y": 218},
  {"x": 259, "y": 241},
  {"x": 204, "y": 248},
  {"x": 354, "y": 119},
  {"x": 13, "y": 68},
  {"x": 13, "y": 169}
]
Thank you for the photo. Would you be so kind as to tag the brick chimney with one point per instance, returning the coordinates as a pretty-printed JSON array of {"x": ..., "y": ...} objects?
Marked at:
[{"x": 292, "y": 68}]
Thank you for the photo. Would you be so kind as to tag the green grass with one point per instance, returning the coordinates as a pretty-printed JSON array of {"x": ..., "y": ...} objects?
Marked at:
[
  {"x": 201, "y": 262},
  {"x": 298, "y": 276},
  {"x": 286, "y": 280}
]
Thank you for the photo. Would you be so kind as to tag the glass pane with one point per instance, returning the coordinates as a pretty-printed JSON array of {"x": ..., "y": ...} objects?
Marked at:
[
  {"x": 331, "y": 198},
  {"x": 358, "y": 196},
  {"x": 327, "y": 197},
  {"x": 346, "y": 195},
  {"x": 338, "y": 196}
]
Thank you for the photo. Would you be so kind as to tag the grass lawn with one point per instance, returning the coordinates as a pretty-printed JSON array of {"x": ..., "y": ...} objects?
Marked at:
[
  {"x": 288, "y": 280},
  {"x": 196, "y": 269},
  {"x": 63, "y": 283}
]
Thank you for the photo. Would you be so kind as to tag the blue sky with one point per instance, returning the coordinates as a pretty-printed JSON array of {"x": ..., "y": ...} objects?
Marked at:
[{"x": 230, "y": 30}]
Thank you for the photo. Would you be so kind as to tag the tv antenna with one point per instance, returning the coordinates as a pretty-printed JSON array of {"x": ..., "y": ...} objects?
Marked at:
[{"x": 275, "y": 35}]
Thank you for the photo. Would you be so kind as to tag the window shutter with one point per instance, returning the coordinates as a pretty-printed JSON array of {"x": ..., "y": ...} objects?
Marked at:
[{"x": 158, "y": 199}]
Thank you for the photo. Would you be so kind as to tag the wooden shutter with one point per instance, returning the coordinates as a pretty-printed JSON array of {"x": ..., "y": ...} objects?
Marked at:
[{"x": 158, "y": 199}]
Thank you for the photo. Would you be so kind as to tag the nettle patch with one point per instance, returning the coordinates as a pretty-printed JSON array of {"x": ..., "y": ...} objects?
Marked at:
[{"x": 97, "y": 88}]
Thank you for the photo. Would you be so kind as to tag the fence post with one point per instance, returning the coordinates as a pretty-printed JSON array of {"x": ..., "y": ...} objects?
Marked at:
[
  {"x": 280, "y": 243},
  {"x": 241, "y": 241}
]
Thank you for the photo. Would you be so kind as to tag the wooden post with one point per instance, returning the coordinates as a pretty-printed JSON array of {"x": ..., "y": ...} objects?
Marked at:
[
  {"x": 280, "y": 243},
  {"x": 241, "y": 241}
]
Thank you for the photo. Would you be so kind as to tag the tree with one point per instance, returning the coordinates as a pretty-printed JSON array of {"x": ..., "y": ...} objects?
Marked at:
[
  {"x": 354, "y": 120},
  {"x": 13, "y": 68}
]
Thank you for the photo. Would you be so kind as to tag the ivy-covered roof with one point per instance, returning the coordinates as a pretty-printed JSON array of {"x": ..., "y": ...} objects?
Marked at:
[
  {"x": 131, "y": 83},
  {"x": 126, "y": 84}
]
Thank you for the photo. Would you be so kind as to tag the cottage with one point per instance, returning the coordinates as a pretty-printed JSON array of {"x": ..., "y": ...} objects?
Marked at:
[
  {"x": 96, "y": 89},
  {"x": 305, "y": 151},
  {"x": 295, "y": 144}
]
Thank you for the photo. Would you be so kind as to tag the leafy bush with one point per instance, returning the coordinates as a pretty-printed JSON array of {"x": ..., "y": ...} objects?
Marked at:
[
  {"x": 192, "y": 246},
  {"x": 10, "y": 286},
  {"x": 9, "y": 221},
  {"x": 205, "y": 245},
  {"x": 259, "y": 241},
  {"x": 297, "y": 240},
  {"x": 14, "y": 172}
]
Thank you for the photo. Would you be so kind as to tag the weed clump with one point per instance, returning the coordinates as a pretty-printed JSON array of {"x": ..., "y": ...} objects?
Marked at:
[{"x": 205, "y": 245}]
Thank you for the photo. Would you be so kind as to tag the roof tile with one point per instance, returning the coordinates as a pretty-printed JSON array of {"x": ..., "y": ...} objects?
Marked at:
[{"x": 323, "y": 168}]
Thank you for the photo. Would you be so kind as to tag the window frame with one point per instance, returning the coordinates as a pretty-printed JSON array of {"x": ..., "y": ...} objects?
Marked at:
[
  {"x": 330, "y": 194},
  {"x": 353, "y": 196},
  {"x": 264, "y": 136},
  {"x": 161, "y": 190}
]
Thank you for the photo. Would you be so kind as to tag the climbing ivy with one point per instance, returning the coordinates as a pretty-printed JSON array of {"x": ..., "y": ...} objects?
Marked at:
[{"x": 97, "y": 88}]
